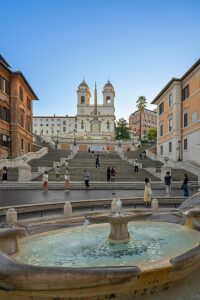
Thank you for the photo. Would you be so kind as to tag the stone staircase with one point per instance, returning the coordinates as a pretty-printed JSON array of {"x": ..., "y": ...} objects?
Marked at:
[
  {"x": 85, "y": 160},
  {"x": 177, "y": 174},
  {"x": 53, "y": 156}
]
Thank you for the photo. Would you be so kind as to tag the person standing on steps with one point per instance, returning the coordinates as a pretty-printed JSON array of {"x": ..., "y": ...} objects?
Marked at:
[
  {"x": 45, "y": 180},
  {"x": 4, "y": 174},
  {"x": 147, "y": 191},
  {"x": 136, "y": 165},
  {"x": 168, "y": 181},
  {"x": 185, "y": 185},
  {"x": 86, "y": 177},
  {"x": 57, "y": 170},
  {"x": 112, "y": 174},
  {"x": 97, "y": 161},
  {"x": 108, "y": 174},
  {"x": 67, "y": 181}
]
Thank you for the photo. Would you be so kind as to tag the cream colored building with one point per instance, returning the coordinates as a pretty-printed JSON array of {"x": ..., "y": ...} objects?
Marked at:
[
  {"x": 93, "y": 121},
  {"x": 178, "y": 107}
]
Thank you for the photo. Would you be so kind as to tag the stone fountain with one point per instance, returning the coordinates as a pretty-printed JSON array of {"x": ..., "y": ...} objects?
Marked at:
[
  {"x": 35, "y": 268},
  {"x": 118, "y": 221}
]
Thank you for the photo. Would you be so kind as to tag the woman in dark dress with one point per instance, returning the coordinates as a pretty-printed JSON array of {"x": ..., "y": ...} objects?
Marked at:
[
  {"x": 108, "y": 174},
  {"x": 5, "y": 174}
]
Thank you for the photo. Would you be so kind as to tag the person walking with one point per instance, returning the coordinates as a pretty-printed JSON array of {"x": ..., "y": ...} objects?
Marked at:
[
  {"x": 112, "y": 174},
  {"x": 86, "y": 177},
  {"x": 67, "y": 181},
  {"x": 57, "y": 170},
  {"x": 108, "y": 174},
  {"x": 136, "y": 164},
  {"x": 4, "y": 174},
  {"x": 147, "y": 191},
  {"x": 185, "y": 185},
  {"x": 168, "y": 181},
  {"x": 97, "y": 161},
  {"x": 45, "y": 180}
]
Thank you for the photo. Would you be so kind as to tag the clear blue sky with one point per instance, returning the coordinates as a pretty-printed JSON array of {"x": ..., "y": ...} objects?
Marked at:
[{"x": 139, "y": 45}]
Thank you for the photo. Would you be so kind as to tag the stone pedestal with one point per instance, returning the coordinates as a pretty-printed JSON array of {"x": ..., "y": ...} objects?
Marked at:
[
  {"x": 24, "y": 173},
  {"x": 11, "y": 216},
  {"x": 119, "y": 232},
  {"x": 68, "y": 209},
  {"x": 154, "y": 204}
]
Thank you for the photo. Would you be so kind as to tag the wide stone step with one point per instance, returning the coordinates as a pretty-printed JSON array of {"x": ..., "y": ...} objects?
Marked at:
[{"x": 99, "y": 185}]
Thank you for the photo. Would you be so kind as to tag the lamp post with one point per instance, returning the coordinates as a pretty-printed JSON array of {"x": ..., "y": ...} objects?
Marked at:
[
  {"x": 119, "y": 144},
  {"x": 75, "y": 137},
  {"x": 179, "y": 150}
]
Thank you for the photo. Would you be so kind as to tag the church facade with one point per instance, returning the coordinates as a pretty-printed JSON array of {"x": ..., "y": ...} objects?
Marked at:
[{"x": 93, "y": 121}]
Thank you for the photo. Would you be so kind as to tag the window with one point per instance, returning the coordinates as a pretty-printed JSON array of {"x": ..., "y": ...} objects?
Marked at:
[
  {"x": 194, "y": 116},
  {"x": 64, "y": 129},
  {"x": 22, "y": 144},
  {"x": 161, "y": 130},
  {"x": 185, "y": 120},
  {"x": 64, "y": 122},
  {"x": 161, "y": 150},
  {"x": 185, "y": 144},
  {"x": 29, "y": 147},
  {"x": 161, "y": 108},
  {"x": 82, "y": 100},
  {"x": 170, "y": 146},
  {"x": 28, "y": 126},
  {"x": 108, "y": 99},
  {"x": 4, "y": 140},
  {"x": 108, "y": 125},
  {"x": 41, "y": 124},
  {"x": 4, "y": 114},
  {"x": 4, "y": 85},
  {"x": 21, "y": 94},
  {"x": 47, "y": 120},
  {"x": 185, "y": 92},
  {"x": 170, "y": 125},
  {"x": 22, "y": 117},
  {"x": 47, "y": 124},
  {"x": 47, "y": 132},
  {"x": 170, "y": 100},
  {"x": 28, "y": 103},
  {"x": 82, "y": 125}
]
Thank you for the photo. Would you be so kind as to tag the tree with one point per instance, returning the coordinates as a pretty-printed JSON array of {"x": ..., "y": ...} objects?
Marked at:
[
  {"x": 122, "y": 130},
  {"x": 141, "y": 105},
  {"x": 152, "y": 134}
]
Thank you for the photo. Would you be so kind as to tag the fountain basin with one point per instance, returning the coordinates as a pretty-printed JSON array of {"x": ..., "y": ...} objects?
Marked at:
[{"x": 20, "y": 279}]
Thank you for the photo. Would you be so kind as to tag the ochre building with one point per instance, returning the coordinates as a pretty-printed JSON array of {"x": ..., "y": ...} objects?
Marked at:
[
  {"x": 178, "y": 107},
  {"x": 148, "y": 121},
  {"x": 16, "y": 96}
]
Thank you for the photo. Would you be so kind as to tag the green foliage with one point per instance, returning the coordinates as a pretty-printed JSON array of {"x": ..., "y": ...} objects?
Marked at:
[
  {"x": 122, "y": 130},
  {"x": 152, "y": 134}
]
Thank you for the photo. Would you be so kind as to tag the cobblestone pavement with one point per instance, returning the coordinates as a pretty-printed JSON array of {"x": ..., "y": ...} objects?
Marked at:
[{"x": 20, "y": 197}]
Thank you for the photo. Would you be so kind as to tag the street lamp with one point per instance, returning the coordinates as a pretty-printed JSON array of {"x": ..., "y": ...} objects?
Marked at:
[
  {"x": 75, "y": 137},
  {"x": 119, "y": 144},
  {"x": 179, "y": 150}
]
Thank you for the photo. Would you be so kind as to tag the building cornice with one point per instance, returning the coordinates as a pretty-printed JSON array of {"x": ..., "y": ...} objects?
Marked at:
[{"x": 193, "y": 67}]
